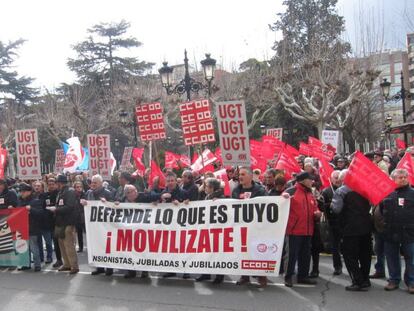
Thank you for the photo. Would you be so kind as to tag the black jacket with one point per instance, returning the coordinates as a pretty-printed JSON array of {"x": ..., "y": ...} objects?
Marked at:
[
  {"x": 255, "y": 190},
  {"x": 177, "y": 194},
  {"x": 191, "y": 190},
  {"x": 67, "y": 212},
  {"x": 326, "y": 208},
  {"x": 398, "y": 211},
  {"x": 35, "y": 214},
  {"x": 8, "y": 197},
  {"x": 48, "y": 199},
  {"x": 354, "y": 218}
]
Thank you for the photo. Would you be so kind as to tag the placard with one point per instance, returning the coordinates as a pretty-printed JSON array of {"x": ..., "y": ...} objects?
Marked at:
[
  {"x": 225, "y": 236},
  {"x": 28, "y": 155},
  {"x": 150, "y": 121},
  {"x": 275, "y": 132},
  {"x": 330, "y": 137},
  {"x": 126, "y": 159},
  {"x": 59, "y": 161},
  {"x": 197, "y": 122},
  {"x": 99, "y": 155},
  {"x": 233, "y": 133}
]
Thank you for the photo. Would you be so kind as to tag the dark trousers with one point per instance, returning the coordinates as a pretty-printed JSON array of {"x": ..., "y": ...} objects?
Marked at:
[
  {"x": 298, "y": 251},
  {"x": 335, "y": 236},
  {"x": 357, "y": 251},
  {"x": 80, "y": 228},
  {"x": 57, "y": 249},
  {"x": 379, "y": 249},
  {"x": 316, "y": 247}
]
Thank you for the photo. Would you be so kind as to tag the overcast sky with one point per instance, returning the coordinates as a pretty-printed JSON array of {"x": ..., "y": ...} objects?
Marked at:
[{"x": 231, "y": 30}]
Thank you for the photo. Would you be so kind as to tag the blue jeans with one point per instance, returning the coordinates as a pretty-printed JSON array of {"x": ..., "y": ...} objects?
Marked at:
[
  {"x": 392, "y": 252},
  {"x": 379, "y": 251},
  {"x": 47, "y": 236},
  {"x": 34, "y": 249}
]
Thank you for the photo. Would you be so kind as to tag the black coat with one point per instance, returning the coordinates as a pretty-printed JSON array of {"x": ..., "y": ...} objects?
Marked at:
[
  {"x": 8, "y": 198},
  {"x": 255, "y": 190},
  {"x": 48, "y": 199},
  {"x": 191, "y": 190},
  {"x": 35, "y": 214},
  {"x": 67, "y": 213},
  {"x": 325, "y": 207},
  {"x": 398, "y": 211},
  {"x": 355, "y": 218},
  {"x": 177, "y": 194}
]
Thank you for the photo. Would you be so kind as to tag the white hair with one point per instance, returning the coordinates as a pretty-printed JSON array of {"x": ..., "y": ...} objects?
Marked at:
[
  {"x": 342, "y": 174},
  {"x": 399, "y": 171},
  {"x": 97, "y": 178},
  {"x": 336, "y": 172}
]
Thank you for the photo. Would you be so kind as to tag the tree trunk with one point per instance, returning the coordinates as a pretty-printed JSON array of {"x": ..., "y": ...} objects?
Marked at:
[{"x": 320, "y": 126}]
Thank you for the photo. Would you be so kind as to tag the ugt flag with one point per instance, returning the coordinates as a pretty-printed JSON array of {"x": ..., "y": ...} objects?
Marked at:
[{"x": 368, "y": 179}]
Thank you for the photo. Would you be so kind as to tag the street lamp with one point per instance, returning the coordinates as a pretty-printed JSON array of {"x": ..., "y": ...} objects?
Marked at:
[
  {"x": 126, "y": 120},
  {"x": 188, "y": 84},
  {"x": 401, "y": 95}
]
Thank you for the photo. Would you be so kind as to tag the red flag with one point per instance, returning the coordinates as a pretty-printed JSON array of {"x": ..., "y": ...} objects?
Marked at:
[
  {"x": 325, "y": 171},
  {"x": 400, "y": 144},
  {"x": 184, "y": 161},
  {"x": 276, "y": 144},
  {"x": 256, "y": 155},
  {"x": 292, "y": 150},
  {"x": 368, "y": 179},
  {"x": 287, "y": 162},
  {"x": 137, "y": 156},
  {"x": 314, "y": 141},
  {"x": 207, "y": 156},
  {"x": 321, "y": 150},
  {"x": 222, "y": 175},
  {"x": 171, "y": 160},
  {"x": 407, "y": 163},
  {"x": 305, "y": 149},
  {"x": 156, "y": 171},
  {"x": 3, "y": 160}
]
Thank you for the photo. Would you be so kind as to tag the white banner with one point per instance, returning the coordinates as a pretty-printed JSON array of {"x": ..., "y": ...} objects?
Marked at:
[
  {"x": 100, "y": 155},
  {"x": 28, "y": 155},
  {"x": 226, "y": 236},
  {"x": 330, "y": 137},
  {"x": 275, "y": 132},
  {"x": 126, "y": 159},
  {"x": 233, "y": 132},
  {"x": 59, "y": 161}
]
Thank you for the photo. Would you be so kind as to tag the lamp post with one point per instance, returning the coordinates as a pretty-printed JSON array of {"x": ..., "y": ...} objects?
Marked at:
[
  {"x": 126, "y": 120},
  {"x": 188, "y": 84},
  {"x": 401, "y": 95},
  {"x": 387, "y": 130}
]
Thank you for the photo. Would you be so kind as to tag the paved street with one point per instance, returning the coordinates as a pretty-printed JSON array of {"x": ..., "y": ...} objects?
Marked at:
[{"x": 50, "y": 290}]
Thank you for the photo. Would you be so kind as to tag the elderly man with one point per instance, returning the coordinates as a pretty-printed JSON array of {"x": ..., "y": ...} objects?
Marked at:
[
  {"x": 356, "y": 226},
  {"x": 303, "y": 212},
  {"x": 334, "y": 228},
  {"x": 398, "y": 212},
  {"x": 66, "y": 217},
  {"x": 247, "y": 189},
  {"x": 98, "y": 192}
]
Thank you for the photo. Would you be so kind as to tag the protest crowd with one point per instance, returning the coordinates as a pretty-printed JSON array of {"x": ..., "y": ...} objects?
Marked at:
[{"x": 327, "y": 213}]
